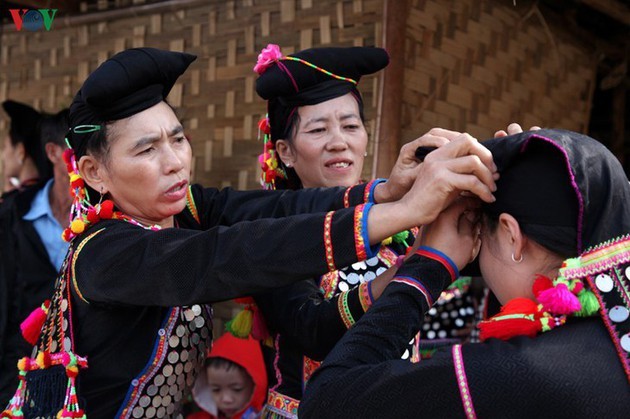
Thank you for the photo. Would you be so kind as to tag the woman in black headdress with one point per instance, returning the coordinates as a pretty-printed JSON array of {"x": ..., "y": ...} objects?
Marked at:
[
  {"x": 549, "y": 352},
  {"x": 315, "y": 136},
  {"x": 149, "y": 251}
]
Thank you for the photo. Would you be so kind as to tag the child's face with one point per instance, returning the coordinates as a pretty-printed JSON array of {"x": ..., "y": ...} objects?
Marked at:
[{"x": 231, "y": 388}]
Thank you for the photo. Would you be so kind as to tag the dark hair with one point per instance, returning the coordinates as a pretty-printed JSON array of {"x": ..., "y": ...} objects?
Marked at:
[
  {"x": 54, "y": 127},
  {"x": 559, "y": 239},
  {"x": 293, "y": 181}
]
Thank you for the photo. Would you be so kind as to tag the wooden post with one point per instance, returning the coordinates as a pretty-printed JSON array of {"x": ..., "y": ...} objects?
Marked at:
[{"x": 388, "y": 130}]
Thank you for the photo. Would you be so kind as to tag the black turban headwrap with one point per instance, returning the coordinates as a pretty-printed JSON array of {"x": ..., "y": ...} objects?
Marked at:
[
  {"x": 126, "y": 84},
  {"x": 567, "y": 186},
  {"x": 289, "y": 84}
]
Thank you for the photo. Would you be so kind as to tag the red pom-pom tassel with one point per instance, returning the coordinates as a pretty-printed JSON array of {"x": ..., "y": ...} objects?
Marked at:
[{"x": 31, "y": 327}]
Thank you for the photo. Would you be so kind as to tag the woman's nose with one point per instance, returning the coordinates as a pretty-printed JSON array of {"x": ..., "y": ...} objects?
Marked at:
[
  {"x": 173, "y": 162},
  {"x": 337, "y": 141}
]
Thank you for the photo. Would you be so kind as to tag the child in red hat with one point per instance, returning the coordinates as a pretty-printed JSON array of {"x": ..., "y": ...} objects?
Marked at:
[{"x": 235, "y": 382}]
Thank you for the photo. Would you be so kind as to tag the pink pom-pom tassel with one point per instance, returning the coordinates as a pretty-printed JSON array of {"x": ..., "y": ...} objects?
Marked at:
[{"x": 559, "y": 300}]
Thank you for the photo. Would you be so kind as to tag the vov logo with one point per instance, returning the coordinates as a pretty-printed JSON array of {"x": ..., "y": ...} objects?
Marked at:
[{"x": 33, "y": 19}]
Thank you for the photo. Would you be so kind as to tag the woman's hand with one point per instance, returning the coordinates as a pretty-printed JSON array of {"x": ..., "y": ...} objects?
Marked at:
[
  {"x": 512, "y": 129},
  {"x": 461, "y": 165},
  {"x": 405, "y": 171},
  {"x": 455, "y": 232}
]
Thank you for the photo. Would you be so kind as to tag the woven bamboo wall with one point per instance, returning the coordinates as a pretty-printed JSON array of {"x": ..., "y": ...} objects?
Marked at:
[
  {"x": 216, "y": 98},
  {"x": 476, "y": 65}
]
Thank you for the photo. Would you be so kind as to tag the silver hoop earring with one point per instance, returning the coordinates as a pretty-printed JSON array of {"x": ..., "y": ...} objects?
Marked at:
[{"x": 519, "y": 259}]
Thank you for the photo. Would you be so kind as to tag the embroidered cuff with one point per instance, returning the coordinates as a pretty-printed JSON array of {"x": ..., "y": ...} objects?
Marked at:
[
  {"x": 350, "y": 306},
  {"x": 365, "y": 295},
  {"x": 438, "y": 256},
  {"x": 361, "y": 236}
]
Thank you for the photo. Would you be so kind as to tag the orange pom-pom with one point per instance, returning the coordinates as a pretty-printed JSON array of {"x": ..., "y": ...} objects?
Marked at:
[
  {"x": 107, "y": 210},
  {"x": 23, "y": 364},
  {"x": 77, "y": 226},
  {"x": 43, "y": 360}
]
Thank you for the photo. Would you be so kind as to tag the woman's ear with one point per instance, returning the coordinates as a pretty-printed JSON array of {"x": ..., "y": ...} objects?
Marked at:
[
  {"x": 93, "y": 172},
  {"x": 20, "y": 153},
  {"x": 285, "y": 152},
  {"x": 509, "y": 227},
  {"x": 54, "y": 152}
]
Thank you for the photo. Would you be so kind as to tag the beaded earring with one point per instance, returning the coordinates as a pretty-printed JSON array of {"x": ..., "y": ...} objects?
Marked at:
[{"x": 271, "y": 169}]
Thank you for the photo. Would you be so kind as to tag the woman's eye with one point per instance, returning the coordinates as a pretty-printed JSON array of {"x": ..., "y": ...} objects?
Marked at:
[
  {"x": 316, "y": 130},
  {"x": 180, "y": 139}
]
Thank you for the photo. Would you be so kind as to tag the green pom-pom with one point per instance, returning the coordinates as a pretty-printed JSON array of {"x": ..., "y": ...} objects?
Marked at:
[
  {"x": 589, "y": 303},
  {"x": 241, "y": 325},
  {"x": 400, "y": 237},
  {"x": 462, "y": 283}
]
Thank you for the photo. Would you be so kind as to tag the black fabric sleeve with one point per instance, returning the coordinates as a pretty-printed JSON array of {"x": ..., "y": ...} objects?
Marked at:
[
  {"x": 126, "y": 264},
  {"x": 228, "y": 206},
  {"x": 300, "y": 313}
]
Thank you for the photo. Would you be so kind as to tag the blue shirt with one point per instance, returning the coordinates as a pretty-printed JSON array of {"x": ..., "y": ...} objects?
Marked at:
[{"x": 47, "y": 226}]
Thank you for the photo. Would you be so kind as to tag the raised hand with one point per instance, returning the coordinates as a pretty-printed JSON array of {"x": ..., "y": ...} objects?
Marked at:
[
  {"x": 512, "y": 129},
  {"x": 405, "y": 171}
]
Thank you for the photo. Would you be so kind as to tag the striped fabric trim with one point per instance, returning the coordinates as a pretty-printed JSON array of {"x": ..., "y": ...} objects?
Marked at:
[
  {"x": 462, "y": 382},
  {"x": 440, "y": 257},
  {"x": 359, "y": 231},
  {"x": 412, "y": 282},
  {"x": 346, "y": 197},
  {"x": 330, "y": 260},
  {"x": 190, "y": 204}
]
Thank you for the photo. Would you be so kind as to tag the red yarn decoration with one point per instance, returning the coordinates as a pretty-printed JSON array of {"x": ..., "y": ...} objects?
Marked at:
[
  {"x": 519, "y": 316},
  {"x": 540, "y": 284}
]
